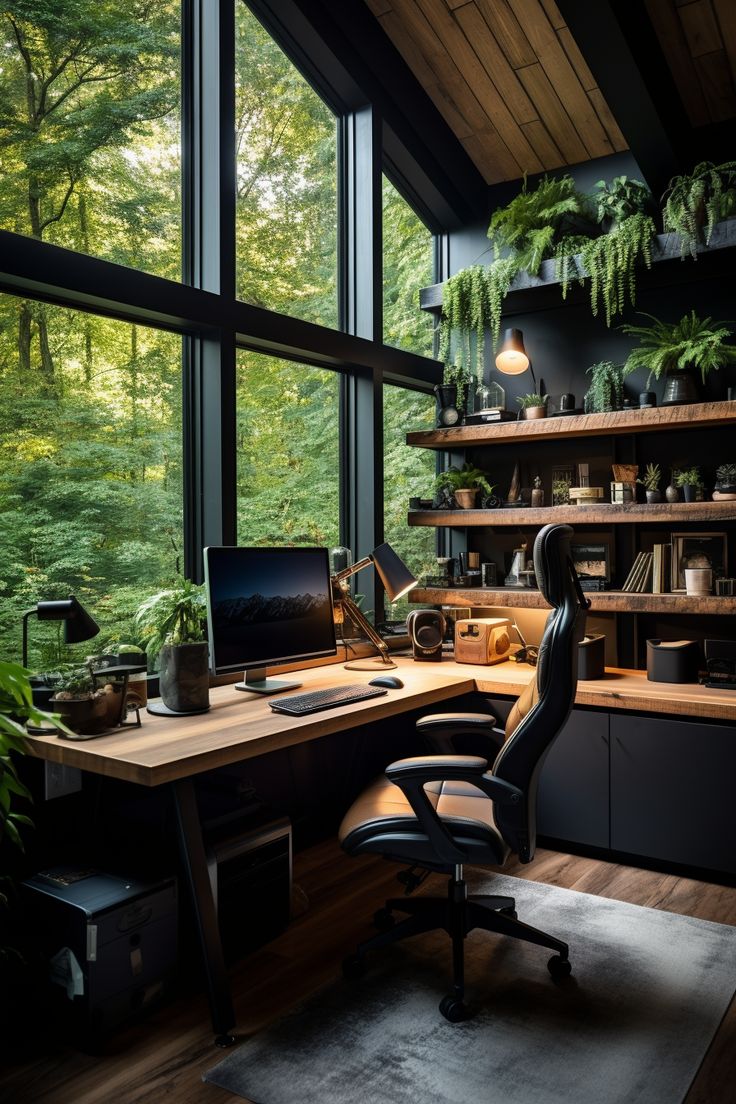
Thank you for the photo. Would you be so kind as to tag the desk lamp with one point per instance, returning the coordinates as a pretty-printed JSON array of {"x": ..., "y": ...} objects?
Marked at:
[
  {"x": 397, "y": 581},
  {"x": 78, "y": 625}
]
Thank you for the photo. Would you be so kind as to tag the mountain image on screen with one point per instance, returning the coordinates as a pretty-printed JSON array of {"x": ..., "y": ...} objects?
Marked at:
[{"x": 257, "y": 610}]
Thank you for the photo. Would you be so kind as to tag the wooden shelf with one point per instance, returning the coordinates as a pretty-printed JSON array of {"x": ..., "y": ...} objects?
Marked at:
[
  {"x": 666, "y": 248},
  {"x": 577, "y": 515},
  {"x": 615, "y": 601},
  {"x": 694, "y": 416}
]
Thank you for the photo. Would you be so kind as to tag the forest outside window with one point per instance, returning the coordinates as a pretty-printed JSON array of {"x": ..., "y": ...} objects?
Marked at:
[
  {"x": 90, "y": 472},
  {"x": 407, "y": 472},
  {"x": 288, "y": 452},
  {"x": 407, "y": 267},
  {"x": 286, "y": 213},
  {"x": 90, "y": 129}
]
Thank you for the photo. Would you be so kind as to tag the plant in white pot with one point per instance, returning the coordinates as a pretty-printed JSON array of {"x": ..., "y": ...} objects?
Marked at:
[{"x": 173, "y": 624}]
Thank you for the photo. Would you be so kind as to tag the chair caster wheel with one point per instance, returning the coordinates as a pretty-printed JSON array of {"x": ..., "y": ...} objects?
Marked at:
[
  {"x": 454, "y": 1010},
  {"x": 353, "y": 967},
  {"x": 559, "y": 967},
  {"x": 383, "y": 919}
]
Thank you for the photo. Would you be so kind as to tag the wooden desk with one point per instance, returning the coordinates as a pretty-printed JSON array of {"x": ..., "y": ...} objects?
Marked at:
[{"x": 239, "y": 726}]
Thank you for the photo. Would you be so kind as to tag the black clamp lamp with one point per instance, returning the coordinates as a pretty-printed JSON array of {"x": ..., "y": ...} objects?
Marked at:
[
  {"x": 78, "y": 625},
  {"x": 397, "y": 581}
]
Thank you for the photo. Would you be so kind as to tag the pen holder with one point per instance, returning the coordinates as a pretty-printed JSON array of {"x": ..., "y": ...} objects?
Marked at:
[
  {"x": 672, "y": 660},
  {"x": 592, "y": 657}
]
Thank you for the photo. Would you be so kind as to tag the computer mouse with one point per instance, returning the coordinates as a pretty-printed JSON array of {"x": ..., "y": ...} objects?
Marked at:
[{"x": 390, "y": 681}]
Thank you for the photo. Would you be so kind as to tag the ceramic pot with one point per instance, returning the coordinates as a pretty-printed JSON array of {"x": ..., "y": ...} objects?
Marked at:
[
  {"x": 532, "y": 412},
  {"x": 672, "y": 493},
  {"x": 698, "y": 580},
  {"x": 689, "y": 490},
  {"x": 465, "y": 499},
  {"x": 91, "y": 715},
  {"x": 446, "y": 394},
  {"x": 680, "y": 388},
  {"x": 654, "y": 496},
  {"x": 184, "y": 677}
]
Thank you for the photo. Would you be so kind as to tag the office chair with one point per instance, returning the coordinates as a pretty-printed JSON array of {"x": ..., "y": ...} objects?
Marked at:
[{"x": 437, "y": 812}]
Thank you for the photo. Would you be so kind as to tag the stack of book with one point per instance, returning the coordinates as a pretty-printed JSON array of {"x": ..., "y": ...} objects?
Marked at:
[{"x": 650, "y": 572}]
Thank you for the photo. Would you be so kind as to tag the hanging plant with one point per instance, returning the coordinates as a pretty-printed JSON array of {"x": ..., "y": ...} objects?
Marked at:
[
  {"x": 606, "y": 391},
  {"x": 695, "y": 203},
  {"x": 472, "y": 301},
  {"x": 610, "y": 261},
  {"x": 566, "y": 266},
  {"x": 531, "y": 223}
]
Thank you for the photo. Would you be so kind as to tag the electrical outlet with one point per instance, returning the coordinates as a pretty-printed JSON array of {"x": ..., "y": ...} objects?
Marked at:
[{"x": 60, "y": 780}]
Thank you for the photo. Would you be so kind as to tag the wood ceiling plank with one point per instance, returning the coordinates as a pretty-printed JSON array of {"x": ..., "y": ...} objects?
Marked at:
[
  {"x": 562, "y": 77},
  {"x": 577, "y": 60},
  {"x": 701, "y": 29},
  {"x": 545, "y": 148},
  {"x": 553, "y": 14},
  {"x": 726, "y": 15},
  {"x": 490, "y": 155},
  {"x": 494, "y": 62},
  {"x": 668, "y": 28},
  {"x": 452, "y": 4},
  {"x": 465, "y": 58},
  {"x": 553, "y": 114},
  {"x": 717, "y": 84},
  {"x": 613, "y": 130},
  {"x": 507, "y": 32},
  {"x": 379, "y": 7}
]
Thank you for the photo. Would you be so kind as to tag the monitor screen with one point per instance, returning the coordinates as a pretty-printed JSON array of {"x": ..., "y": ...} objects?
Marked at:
[{"x": 267, "y": 606}]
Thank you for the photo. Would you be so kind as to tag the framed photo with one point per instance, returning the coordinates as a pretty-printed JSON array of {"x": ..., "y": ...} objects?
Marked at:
[
  {"x": 697, "y": 550},
  {"x": 592, "y": 561}
]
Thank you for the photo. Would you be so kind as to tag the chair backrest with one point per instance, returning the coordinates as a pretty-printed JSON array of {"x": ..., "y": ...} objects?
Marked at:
[{"x": 539, "y": 715}]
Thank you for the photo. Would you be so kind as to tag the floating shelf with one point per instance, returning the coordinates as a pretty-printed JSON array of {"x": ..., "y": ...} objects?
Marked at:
[
  {"x": 577, "y": 515},
  {"x": 666, "y": 247},
  {"x": 694, "y": 416},
  {"x": 615, "y": 601}
]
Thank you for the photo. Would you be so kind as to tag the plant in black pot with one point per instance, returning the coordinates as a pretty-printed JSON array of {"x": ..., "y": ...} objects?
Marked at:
[
  {"x": 173, "y": 624},
  {"x": 676, "y": 349},
  {"x": 689, "y": 480},
  {"x": 650, "y": 481}
]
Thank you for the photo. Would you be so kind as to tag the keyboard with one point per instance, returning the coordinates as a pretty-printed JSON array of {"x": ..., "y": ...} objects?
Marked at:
[{"x": 299, "y": 705}]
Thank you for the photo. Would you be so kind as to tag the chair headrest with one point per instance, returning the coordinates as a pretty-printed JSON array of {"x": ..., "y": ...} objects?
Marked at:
[{"x": 552, "y": 560}]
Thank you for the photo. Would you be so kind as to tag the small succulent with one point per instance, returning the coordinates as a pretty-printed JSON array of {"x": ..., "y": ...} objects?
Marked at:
[
  {"x": 726, "y": 475},
  {"x": 652, "y": 477},
  {"x": 688, "y": 477}
]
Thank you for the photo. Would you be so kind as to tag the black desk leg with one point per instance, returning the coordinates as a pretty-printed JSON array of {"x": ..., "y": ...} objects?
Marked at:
[{"x": 194, "y": 863}]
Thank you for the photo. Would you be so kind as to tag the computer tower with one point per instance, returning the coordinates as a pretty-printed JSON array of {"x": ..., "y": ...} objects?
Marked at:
[
  {"x": 250, "y": 874},
  {"x": 110, "y": 944}
]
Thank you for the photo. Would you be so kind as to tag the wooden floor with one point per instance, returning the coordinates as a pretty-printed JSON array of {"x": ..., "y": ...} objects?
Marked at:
[{"x": 163, "y": 1058}]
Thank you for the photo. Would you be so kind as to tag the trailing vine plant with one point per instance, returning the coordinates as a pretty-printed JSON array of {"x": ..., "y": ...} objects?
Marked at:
[
  {"x": 606, "y": 391},
  {"x": 693, "y": 204},
  {"x": 472, "y": 300},
  {"x": 610, "y": 261}
]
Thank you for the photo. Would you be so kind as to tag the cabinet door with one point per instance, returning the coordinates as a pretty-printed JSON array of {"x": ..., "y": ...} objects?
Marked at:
[
  {"x": 672, "y": 785},
  {"x": 572, "y": 803}
]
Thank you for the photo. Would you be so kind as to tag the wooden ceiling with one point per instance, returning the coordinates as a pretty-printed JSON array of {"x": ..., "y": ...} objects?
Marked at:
[
  {"x": 509, "y": 80},
  {"x": 698, "y": 39}
]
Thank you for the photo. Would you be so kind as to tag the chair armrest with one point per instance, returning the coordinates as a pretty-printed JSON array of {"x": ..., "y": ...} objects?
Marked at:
[{"x": 411, "y": 775}]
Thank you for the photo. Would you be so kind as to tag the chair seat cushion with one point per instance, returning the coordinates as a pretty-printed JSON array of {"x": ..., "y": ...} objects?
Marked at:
[{"x": 382, "y": 820}]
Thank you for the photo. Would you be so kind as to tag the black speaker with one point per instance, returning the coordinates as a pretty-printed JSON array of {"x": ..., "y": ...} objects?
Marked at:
[{"x": 426, "y": 629}]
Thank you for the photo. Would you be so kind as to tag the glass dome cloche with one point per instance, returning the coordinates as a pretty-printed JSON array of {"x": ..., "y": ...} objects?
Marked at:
[{"x": 489, "y": 396}]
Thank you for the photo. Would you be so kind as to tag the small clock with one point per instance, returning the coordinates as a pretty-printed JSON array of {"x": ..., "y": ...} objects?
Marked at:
[{"x": 448, "y": 416}]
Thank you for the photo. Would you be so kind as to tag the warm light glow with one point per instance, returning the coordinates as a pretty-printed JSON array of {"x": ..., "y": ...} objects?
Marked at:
[
  {"x": 403, "y": 592},
  {"x": 511, "y": 362}
]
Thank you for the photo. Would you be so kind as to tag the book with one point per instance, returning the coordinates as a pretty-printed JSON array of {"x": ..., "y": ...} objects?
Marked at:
[
  {"x": 632, "y": 573},
  {"x": 644, "y": 580}
]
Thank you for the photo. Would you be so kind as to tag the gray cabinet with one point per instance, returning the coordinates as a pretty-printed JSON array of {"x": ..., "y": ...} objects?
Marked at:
[
  {"x": 672, "y": 790},
  {"x": 572, "y": 802}
]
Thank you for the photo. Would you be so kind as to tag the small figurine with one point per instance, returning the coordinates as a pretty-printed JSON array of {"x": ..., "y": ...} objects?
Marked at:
[{"x": 537, "y": 492}]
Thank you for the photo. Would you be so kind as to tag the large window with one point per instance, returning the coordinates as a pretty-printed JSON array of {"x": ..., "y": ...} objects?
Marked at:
[
  {"x": 90, "y": 470},
  {"x": 407, "y": 267},
  {"x": 286, "y": 137},
  {"x": 89, "y": 128},
  {"x": 288, "y": 448},
  {"x": 407, "y": 472}
]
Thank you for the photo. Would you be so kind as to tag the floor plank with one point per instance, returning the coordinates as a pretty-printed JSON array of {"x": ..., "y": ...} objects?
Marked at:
[{"x": 164, "y": 1057}]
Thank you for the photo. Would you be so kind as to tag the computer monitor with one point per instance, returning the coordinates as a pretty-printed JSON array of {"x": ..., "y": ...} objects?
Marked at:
[{"x": 267, "y": 606}]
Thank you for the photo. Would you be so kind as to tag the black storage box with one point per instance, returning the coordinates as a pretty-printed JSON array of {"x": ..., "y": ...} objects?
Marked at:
[
  {"x": 110, "y": 942},
  {"x": 592, "y": 657},
  {"x": 672, "y": 660}
]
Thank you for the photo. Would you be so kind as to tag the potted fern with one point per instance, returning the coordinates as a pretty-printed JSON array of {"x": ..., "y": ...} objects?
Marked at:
[
  {"x": 694, "y": 203},
  {"x": 672, "y": 349},
  {"x": 463, "y": 484},
  {"x": 173, "y": 624},
  {"x": 606, "y": 391},
  {"x": 533, "y": 406}
]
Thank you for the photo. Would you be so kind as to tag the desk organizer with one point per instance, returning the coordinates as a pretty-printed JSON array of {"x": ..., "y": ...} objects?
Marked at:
[
  {"x": 592, "y": 657},
  {"x": 672, "y": 660}
]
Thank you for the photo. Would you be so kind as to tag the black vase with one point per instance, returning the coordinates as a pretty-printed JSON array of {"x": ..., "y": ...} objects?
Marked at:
[
  {"x": 184, "y": 677},
  {"x": 680, "y": 388},
  {"x": 446, "y": 394},
  {"x": 689, "y": 490}
]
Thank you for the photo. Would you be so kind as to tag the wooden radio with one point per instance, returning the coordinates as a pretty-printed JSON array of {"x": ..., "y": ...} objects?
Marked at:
[{"x": 482, "y": 640}]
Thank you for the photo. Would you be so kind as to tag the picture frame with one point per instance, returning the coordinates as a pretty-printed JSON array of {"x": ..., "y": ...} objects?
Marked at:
[
  {"x": 592, "y": 559},
  {"x": 697, "y": 550}
]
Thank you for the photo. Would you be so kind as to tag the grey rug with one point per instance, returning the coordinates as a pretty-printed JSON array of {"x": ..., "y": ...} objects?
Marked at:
[{"x": 632, "y": 1025}]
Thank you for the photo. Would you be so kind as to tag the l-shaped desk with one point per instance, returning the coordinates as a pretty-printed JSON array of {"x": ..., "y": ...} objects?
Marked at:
[{"x": 174, "y": 751}]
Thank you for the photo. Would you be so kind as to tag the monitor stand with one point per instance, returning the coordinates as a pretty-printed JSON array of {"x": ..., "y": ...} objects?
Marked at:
[{"x": 255, "y": 682}]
